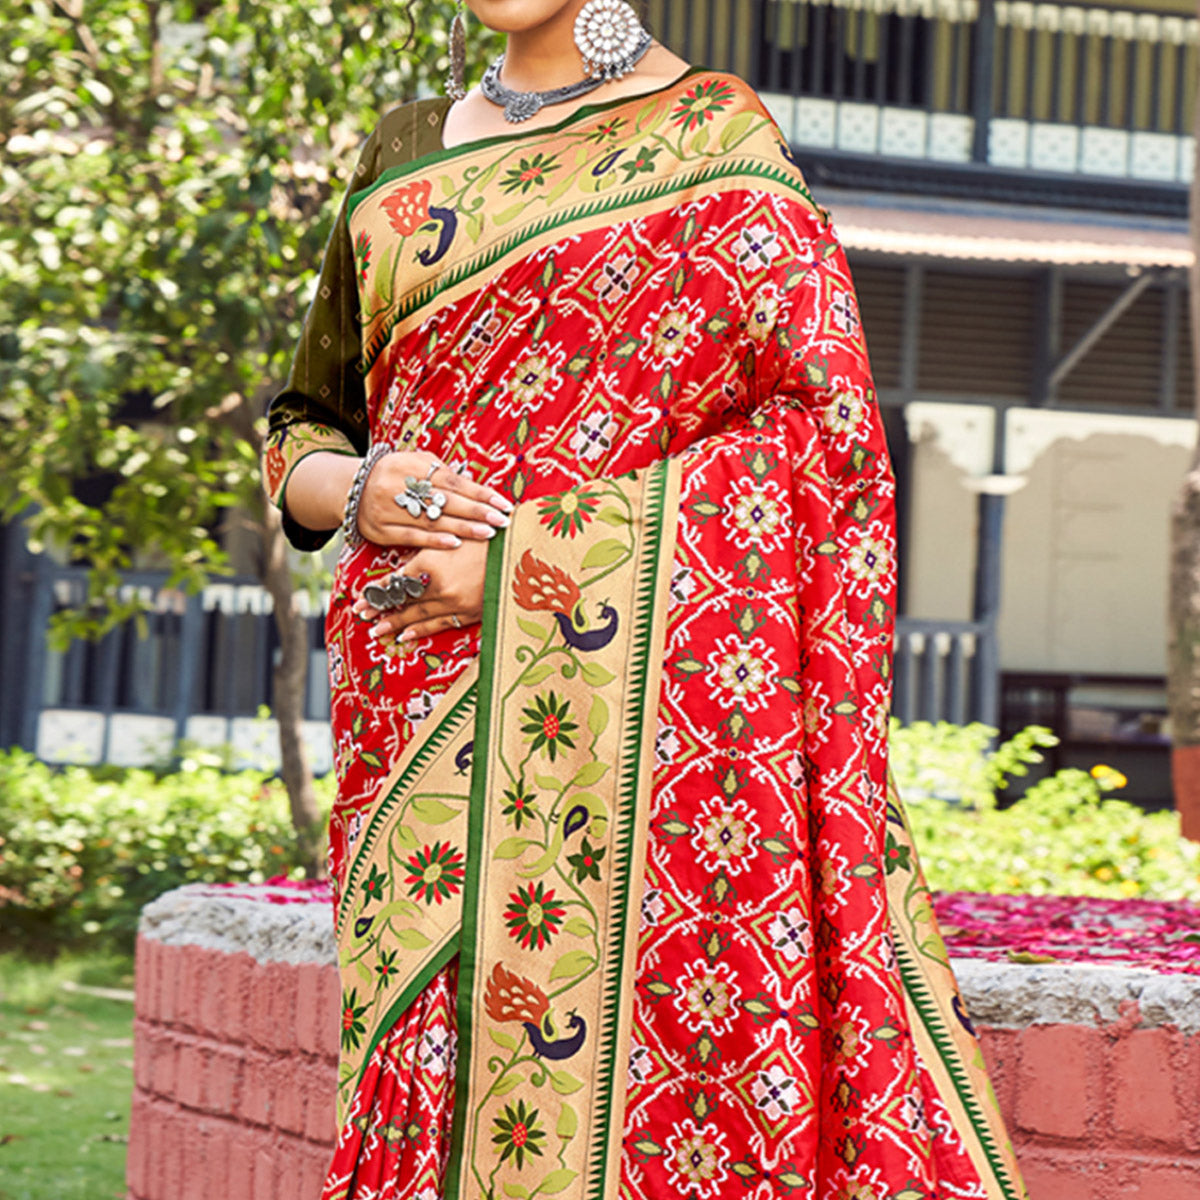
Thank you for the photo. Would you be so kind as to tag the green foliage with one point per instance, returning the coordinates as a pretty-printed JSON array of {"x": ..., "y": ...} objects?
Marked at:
[
  {"x": 1065, "y": 836},
  {"x": 169, "y": 169},
  {"x": 68, "y": 1076},
  {"x": 82, "y": 851}
]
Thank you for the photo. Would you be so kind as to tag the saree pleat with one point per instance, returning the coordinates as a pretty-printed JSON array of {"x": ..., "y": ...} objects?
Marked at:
[{"x": 647, "y": 805}]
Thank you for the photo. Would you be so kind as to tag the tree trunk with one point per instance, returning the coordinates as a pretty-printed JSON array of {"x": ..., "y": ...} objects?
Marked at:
[
  {"x": 1183, "y": 619},
  {"x": 291, "y": 672},
  {"x": 291, "y": 678}
]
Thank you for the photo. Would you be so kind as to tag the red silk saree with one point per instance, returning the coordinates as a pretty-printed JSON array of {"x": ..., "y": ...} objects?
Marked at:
[{"x": 624, "y": 905}]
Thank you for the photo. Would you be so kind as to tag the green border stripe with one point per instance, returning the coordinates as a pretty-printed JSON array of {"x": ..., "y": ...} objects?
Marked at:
[
  {"x": 646, "y": 588},
  {"x": 492, "y": 605},
  {"x": 917, "y": 988}
]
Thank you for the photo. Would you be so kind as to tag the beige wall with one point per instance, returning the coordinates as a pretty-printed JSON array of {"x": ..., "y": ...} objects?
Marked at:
[
  {"x": 1085, "y": 541},
  {"x": 1085, "y": 538}
]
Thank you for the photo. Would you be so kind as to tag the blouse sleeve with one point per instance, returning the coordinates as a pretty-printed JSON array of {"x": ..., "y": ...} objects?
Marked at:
[{"x": 322, "y": 406}]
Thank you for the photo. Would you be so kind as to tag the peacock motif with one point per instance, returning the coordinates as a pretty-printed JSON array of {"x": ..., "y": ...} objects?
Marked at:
[
  {"x": 510, "y": 997},
  {"x": 542, "y": 587}
]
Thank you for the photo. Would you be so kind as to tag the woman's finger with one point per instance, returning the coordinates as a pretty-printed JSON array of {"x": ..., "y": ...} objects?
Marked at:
[
  {"x": 431, "y": 626},
  {"x": 407, "y": 536},
  {"x": 448, "y": 480}
]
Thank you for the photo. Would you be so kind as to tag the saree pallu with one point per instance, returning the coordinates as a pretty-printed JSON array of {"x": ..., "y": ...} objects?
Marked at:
[{"x": 624, "y": 904}]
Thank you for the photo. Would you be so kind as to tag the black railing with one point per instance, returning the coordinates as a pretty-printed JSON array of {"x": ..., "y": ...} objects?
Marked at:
[{"x": 211, "y": 656}]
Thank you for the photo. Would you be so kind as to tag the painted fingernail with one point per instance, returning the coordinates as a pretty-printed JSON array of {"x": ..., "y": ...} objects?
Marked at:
[
  {"x": 407, "y": 636},
  {"x": 451, "y": 542},
  {"x": 498, "y": 519},
  {"x": 498, "y": 501},
  {"x": 484, "y": 531},
  {"x": 380, "y": 629}
]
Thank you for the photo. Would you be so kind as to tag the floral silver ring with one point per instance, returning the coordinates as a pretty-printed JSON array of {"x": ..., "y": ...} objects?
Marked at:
[
  {"x": 397, "y": 591},
  {"x": 420, "y": 496}
]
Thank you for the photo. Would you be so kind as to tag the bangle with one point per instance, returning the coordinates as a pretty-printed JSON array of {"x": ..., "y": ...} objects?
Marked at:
[{"x": 354, "y": 498}]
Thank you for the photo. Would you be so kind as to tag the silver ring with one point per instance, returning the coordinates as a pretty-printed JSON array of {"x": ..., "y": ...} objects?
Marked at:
[
  {"x": 434, "y": 469},
  {"x": 456, "y": 620},
  {"x": 420, "y": 496},
  {"x": 399, "y": 590}
]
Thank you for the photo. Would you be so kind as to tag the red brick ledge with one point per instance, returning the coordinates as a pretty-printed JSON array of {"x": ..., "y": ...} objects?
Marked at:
[{"x": 1097, "y": 1069}]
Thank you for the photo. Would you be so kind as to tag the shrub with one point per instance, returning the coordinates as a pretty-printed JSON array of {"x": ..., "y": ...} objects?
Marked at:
[
  {"x": 82, "y": 850},
  {"x": 1067, "y": 835}
]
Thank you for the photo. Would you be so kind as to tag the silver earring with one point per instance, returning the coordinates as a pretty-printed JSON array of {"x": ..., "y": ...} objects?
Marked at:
[
  {"x": 456, "y": 86},
  {"x": 609, "y": 36}
]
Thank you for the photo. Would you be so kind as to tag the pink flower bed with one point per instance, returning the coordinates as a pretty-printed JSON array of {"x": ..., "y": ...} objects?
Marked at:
[{"x": 1159, "y": 935}]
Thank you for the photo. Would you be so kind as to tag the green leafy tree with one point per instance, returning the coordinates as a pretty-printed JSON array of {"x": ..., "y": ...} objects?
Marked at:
[{"x": 168, "y": 174}]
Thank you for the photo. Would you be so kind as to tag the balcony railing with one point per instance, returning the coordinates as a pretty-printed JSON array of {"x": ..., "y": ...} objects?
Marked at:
[
  {"x": 200, "y": 670},
  {"x": 1060, "y": 88}
]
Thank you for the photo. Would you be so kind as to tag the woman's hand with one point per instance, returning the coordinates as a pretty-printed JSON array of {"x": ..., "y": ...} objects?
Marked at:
[
  {"x": 452, "y": 600},
  {"x": 472, "y": 512}
]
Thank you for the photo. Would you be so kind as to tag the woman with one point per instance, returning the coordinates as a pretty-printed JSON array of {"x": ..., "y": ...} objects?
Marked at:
[{"x": 623, "y": 907}]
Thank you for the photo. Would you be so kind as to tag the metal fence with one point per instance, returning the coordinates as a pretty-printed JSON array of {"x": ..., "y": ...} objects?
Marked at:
[{"x": 200, "y": 669}]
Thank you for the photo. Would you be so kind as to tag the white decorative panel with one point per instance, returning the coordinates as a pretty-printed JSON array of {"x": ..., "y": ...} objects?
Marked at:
[
  {"x": 902, "y": 133},
  {"x": 1187, "y": 158},
  {"x": 136, "y": 740},
  {"x": 858, "y": 128},
  {"x": 1008, "y": 143},
  {"x": 950, "y": 137},
  {"x": 1104, "y": 152},
  {"x": 816, "y": 122},
  {"x": 1053, "y": 147},
  {"x": 783, "y": 109},
  {"x": 1154, "y": 156},
  {"x": 68, "y": 736}
]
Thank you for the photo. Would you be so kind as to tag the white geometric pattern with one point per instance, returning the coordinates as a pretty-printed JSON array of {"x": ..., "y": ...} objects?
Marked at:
[
  {"x": 903, "y": 133},
  {"x": 950, "y": 137},
  {"x": 1008, "y": 143},
  {"x": 858, "y": 128},
  {"x": 1154, "y": 156},
  {"x": 1053, "y": 147},
  {"x": 1105, "y": 152}
]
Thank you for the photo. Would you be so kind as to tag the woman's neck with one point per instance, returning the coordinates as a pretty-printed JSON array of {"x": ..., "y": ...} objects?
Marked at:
[{"x": 540, "y": 59}]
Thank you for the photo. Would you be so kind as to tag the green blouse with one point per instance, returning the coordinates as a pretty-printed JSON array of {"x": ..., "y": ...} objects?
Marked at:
[{"x": 323, "y": 404}]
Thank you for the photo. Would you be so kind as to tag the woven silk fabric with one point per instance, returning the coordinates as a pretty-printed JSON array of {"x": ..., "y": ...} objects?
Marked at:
[{"x": 645, "y": 292}]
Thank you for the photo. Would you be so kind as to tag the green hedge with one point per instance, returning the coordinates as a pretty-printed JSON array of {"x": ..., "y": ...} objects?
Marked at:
[
  {"x": 1068, "y": 835},
  {"x": 82, "y": 850}
]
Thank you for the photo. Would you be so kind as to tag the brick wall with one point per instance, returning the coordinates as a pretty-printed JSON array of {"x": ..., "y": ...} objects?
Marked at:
[
  {"x": 236, "y": 1054},
  {"x": 235, "y": 1070}
]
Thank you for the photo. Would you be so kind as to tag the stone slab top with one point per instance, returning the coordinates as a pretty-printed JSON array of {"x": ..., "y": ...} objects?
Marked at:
[{"x": 293, "y": 925}]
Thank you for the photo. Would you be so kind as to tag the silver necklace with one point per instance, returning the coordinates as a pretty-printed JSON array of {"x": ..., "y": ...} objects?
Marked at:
[{"x": 521, "y": 106}]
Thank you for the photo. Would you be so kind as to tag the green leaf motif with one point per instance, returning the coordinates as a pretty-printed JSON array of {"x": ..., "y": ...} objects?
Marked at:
[
  {"x": 516, "y": 1191},
  {"x": 506, "y": 1084},
  {"x": 594, "y": 675},
  {"x": 433, "y": 812},
  {"x": 512, "y": 847},
  {"x": 532, "y": 629},
  {"x": 597, "y": 721},
  {"x": 579, "y": 927},
  {"x": 557, "y": 1181},
  {"x": 568, "y": 1123},
  {"x": 604, "y": 554},
  {"x": 536, "y": 674},
  {"x": 736, "y": 128},
  {"x": 613, "y": 516},
  {"x": 505, "y": 1040},
  {"x": 574, "y": 962},
  {"x": 412, "y": 939},
  {"x": 590, "y": 773}
]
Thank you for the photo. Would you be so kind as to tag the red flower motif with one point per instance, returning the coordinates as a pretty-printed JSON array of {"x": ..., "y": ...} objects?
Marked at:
[
  {"x": 274, "y": 468},
  {"x": 408, "y": 207}
]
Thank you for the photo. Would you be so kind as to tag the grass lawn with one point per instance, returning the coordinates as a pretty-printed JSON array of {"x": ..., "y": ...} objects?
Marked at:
[{"x": 66, "y": 1075}]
